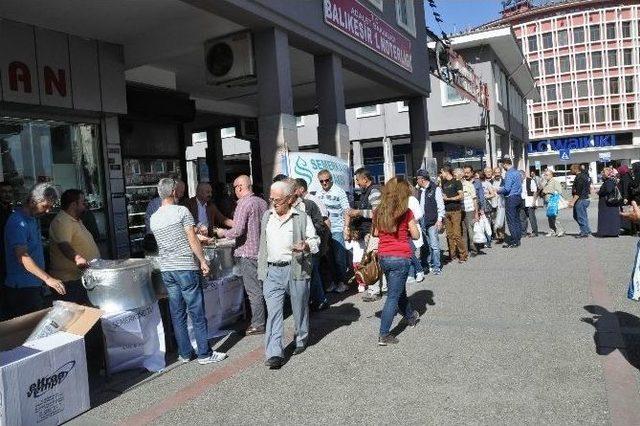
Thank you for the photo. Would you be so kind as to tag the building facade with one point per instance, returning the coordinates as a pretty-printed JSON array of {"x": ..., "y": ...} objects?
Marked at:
[{"x": 584, "y": 56}]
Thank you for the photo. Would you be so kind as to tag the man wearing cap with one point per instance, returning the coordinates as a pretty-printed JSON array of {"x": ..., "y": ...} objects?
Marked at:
[{"x": 432, "y": 203}]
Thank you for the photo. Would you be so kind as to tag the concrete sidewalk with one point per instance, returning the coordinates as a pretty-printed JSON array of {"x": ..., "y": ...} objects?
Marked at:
[{"x": 503, "y": 339}]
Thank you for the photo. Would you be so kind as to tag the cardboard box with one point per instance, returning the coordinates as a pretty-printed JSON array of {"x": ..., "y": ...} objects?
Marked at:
[{"x": 45, "y": 381}]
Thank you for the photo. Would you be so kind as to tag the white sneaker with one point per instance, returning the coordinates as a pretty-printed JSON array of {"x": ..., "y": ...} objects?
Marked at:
[
  {"x": 341, "y": 288},
  {"x": 183, "y": 360},
  {"x": 361, "y": 289},
  {"x": 560, "y": 234},
  {"x": 332, "y": 288},
  {"x": 215, "y": 357},
  {"x": 551, "y": 234},
  {"x": 419, "y": 277}
]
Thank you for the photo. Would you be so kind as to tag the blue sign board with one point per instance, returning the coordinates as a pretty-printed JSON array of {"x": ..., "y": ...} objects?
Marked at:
[
  {"x": 597, "y": 141},
  {"x": 564, "y": 154}
]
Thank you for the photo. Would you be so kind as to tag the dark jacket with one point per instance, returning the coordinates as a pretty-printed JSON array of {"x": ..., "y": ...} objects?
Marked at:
[
  {"x": 215, "y": 217},
  {"x": 582, "y": 185}
]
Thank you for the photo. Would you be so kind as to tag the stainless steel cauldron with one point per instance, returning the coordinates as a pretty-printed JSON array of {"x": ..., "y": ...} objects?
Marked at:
[
  {"x": 119, "y": 285},
  {"x": 220, "y": 259}
]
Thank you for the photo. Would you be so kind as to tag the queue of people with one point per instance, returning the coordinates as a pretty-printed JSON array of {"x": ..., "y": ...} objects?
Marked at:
[{"x": 305, "y": 245}]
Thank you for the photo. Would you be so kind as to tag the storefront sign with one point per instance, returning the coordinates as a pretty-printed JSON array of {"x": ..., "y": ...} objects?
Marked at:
[
  {"x": 361, "y": 24},
  {"x": 44, "y": 67},
  {"x": 582, "y": 142},
  {"x": 604, "y": 156},
  {"x": 306, "y": 165}
]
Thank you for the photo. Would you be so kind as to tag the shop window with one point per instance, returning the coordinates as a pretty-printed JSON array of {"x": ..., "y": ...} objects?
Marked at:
[
  {"x": 159, "y": 167},
  {"x": 65, "y": 154},
  {"x": 578, "y": 35},
  {"x": 299, "y": 121},
  {"x": 135, "y": 168},
  {"x": 200, "y": 137},
  {"x": 581, "y": 61},
  {"x": 596, "y": 59},
  {"x": 631, "y": 112},
  {"x": 532, "y": 42},
  {"x": 551, "y": 93},
  {"x": 547, "y": 40},
  {"x": 228, "y": 132},
  {"x": 567, "y": 117},
  {"x": 565, "y": 63},
  {"x": 368, "y": 111},
  {"x": 598, "y": 87},
  {"x": 583, "y": 88},
  {"x": 626, "y": 29},
  {"x": 553, "y": 118},
  {"x": 406, "y": 16},
  {"x": 611, "y": 31},
  {"x": 599, "y": 113},
  {"x": 377, "y": 3},
  {"x": 549, "y": 66},
  {"x": 615, "y": 112},
  {"x": 594, "y": 32},
  {"x": 614, "y": 86},
  {"x": 612, "y": 58},
  {"x": 537, "y": 120},
  {"x": 563, "y": 38},
  {"x": 567, "y": 92},
  {"x": 628, "y": 84},
  {"x": 450, "y": 95},
  {"x": 583, "y": 115},
  {"x": 535, "y": 69},
  {"x": 627, "y": 55}
]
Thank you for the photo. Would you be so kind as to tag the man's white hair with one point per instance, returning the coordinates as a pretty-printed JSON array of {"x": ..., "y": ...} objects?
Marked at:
[
  {"x": 166, "y": 186},
  {"x": 43, "y": 192},
  {"x": 284, "y": 185}
]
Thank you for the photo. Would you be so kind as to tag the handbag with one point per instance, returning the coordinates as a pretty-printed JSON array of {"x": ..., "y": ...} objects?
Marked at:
[
  {"x": 478, "y": 233},
  {"x": 614, "y": 199},
  {"x": 562, "y": 203},
  {"x": 368, "y": 271}
]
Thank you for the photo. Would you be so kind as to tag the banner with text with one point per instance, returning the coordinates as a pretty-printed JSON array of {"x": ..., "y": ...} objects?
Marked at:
[
  {"x": 356, "y": 21},
  {"x": 306, "y": 165}
]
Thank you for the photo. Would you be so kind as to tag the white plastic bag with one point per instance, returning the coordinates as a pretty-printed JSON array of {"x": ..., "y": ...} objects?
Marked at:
[
  {"x": 486, "y": 226},
  {"x": 478, "y": 233},
  {"x": 562, "y": 203}
]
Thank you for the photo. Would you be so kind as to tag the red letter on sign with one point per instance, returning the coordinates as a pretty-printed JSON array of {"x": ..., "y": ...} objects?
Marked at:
[
  {"x": 19, "y": 71},
  {"x": 51, "y": 80}
]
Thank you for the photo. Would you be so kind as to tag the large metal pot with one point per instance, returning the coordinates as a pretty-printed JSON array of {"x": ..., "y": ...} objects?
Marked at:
[
  {"x": 220, "y": 259},
  {"x": 119, "y": 285}
]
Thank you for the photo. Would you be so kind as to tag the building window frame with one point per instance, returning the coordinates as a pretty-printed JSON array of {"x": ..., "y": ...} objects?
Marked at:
[
  {"x": 444, "y": 97},
  {"x": 583, "y": 115},
  {"x": 378, "y": 4},
  {"x": 612, "y": 54},
  {"x": 564, "y": 60},
  {"x": 552, "y": 119},
  {"x": 631, "y": 111},
  {"x": 563, "y": 38},
  {"x": 625, "y": 27},
  {"x": 594, "y": 32},
  {"x": 568, "y": 113},
  {"x": 576, "y": 31},
  {"x": 599, "y": 115},
  {"x": 547, "y": 40},
  {"x": 532, "y": 43},
  {"x": 360, "y": 113},
  {"x": 580, "y": 65},
  {"x": 227, "y": 132},
  {"x": 627, "y": 56},
  {"x": 410, "y": 25},
  {"x": 615, "y": 110},
  {"x": 537, "y": 121}
]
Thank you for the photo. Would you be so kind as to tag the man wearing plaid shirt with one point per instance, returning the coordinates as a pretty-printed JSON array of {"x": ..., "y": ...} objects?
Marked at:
[{"x": 246, "y": 231}]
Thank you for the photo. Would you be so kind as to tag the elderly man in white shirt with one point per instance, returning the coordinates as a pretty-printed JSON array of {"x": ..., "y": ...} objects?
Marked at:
[{"x": 287, "y": 243}]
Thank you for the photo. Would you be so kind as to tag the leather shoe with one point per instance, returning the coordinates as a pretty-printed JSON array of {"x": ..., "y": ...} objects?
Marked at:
[
  {"x": 274, "y": 363},
  {"x": 254, "y": 330},
  {"x": 299, "y": 349}
]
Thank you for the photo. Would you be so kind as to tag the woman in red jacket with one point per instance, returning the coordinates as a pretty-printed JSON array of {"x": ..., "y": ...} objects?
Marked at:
[{"x": 394, "y": 224}]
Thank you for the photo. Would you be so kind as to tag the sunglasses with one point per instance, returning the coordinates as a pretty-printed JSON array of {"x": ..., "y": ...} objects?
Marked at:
[{"x": 325, "y": 180}]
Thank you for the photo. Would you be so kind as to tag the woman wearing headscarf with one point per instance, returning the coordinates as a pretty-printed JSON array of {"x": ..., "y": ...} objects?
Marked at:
[
  {"x": 608, "y": 214},
  {"x": 552, "y": 186},
  {"x": 394, "y": 224}
]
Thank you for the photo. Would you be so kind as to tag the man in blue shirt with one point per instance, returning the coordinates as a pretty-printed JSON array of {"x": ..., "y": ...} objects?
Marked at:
[
  {"x": 25, "y": 254},
  {"x": 512, "y": 191}
]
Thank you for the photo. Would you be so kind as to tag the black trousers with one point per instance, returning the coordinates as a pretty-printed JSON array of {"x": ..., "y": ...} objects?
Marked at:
[{"x": 22, "y": 301}]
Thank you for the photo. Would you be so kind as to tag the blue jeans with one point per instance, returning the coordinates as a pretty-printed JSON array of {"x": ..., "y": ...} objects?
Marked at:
[
  {"x": 512, "y": 207},
  {"x": 317, "y": 289},
  {"x": 277, "y": 283},
  {"x": 185, "y": 295},
  {"x": 415, "y": 263},
  {"x": 396, "y": 270},
  {"x": 580, "y": 215},
  {"x": 339, "y": 255},
  {"x": 431, "y": 249}
]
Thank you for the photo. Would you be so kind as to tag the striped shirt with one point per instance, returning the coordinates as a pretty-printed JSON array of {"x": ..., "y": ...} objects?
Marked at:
[
  {"x": 337, "y": 203},
  {"x": 168, "y": 225},
  {"x": 246, "y": 226}
]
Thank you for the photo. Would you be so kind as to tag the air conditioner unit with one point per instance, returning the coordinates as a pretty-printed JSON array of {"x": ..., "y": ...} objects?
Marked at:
[
  {"x": 229, "y": 60},
  {"x": 248, "y": 129}
]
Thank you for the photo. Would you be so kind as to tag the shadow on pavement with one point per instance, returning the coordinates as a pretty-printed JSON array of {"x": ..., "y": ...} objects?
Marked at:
[
  {"x": 419, "y": 300},
  {"x": 615, "y": 330},
  {"x": 326, "y": 322}
]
